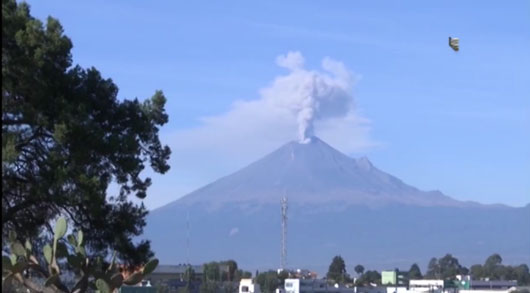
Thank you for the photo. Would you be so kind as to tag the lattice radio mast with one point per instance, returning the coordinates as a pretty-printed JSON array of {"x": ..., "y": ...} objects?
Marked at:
[
  {"x": 188, "y": 237},
  {"x": 284, "y": 232}
]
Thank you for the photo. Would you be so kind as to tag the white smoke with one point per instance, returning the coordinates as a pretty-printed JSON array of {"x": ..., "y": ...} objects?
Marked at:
[
  {"x": 296, "y": 101},
  {"x": 311, "y": 95}
]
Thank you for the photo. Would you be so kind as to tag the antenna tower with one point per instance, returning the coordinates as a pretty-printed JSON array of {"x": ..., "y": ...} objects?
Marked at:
[
  {"x": 188, "y": 237},
  {"x": 284, "y": 232}
]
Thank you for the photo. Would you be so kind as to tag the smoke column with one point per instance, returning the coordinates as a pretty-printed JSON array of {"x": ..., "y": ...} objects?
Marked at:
[{"x": 311, "y": 95}]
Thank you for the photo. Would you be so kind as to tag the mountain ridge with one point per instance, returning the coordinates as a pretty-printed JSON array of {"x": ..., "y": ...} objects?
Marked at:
[
  {"x": 315, "y": 172},
  {"x": 337, "y": 205}
]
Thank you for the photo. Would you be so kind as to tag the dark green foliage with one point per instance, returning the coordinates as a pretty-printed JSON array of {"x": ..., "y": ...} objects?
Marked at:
[
  {"x": 368, "y": 278},
  {"x": 221, "y": 276},
  {"x": 359, "y": 269},
  {"x": 208, "y": 286},
  {"x": 268, "y": 281},
  {"x": 211, "y": 272},
  {"x": 23, "y": 267},
  {"x": 246, "y": 274},
  {"x": 281, "y": 278},
  {"x": 493, "y": 269},
  {"x": 66, "y": 136},
  {"x": 231, "y": 270},
  {"x": 414, "y": 272},
  {"x": 240, "y": 274},
  {"x": 445, "y": 268},
  {"x": 337, "y": 270}
]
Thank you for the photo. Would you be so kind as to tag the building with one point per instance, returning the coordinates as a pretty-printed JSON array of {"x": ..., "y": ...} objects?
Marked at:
[
  {"x": 173, "y": 277},
  {"x": 248, "y": 286},
  {"x": 491, "y": 285},
  {"x": 426, "y": 285},
  {"x": 395, "y": 277},
  {"x": 300, "y": 273},
  {"x": 313, "y": 286}
]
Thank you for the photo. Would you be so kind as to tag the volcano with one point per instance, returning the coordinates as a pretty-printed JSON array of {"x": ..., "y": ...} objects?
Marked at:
[{"x": 337, "y": 205}]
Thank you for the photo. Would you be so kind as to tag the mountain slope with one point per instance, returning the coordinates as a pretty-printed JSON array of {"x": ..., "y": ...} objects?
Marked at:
[
  {"x": 337, "y": 205},
  {"x": 314, "y": 173}
]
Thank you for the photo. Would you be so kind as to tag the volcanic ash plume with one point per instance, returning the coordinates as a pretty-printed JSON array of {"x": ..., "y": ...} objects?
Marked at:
[{"x": 311, "y": 95}]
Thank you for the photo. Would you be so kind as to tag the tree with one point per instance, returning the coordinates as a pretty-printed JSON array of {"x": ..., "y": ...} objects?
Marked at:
[
  {"x": 477, "y": 272},
  {"x": 359, "y": 269},
  {"x": 494, "y": 270},
  {"x": 231, "y": 269},
  {"x": 445, "y": 268},
  {"x": 493, "y": 266},
  {"x": 189, "y": 277},
  {"x": 211, "y": 272},
  {"x": 337, "y": 270},
  {"x": 240, "y": 274},
  {"x": 433, "y": 269},
  {"x": 66, "y": 136},
  {"x": 522, "y": 274},
  {"x": 414, "y": 272},
  {"x": 368, "y": 278},
  {"x": 268, "y": 281},
  {"x": 282, "y": 275}
]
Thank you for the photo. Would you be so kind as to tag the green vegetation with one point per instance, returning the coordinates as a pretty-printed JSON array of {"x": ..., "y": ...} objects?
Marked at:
[
  {"x": 414, "y": 272},
  {"x": 66, "y": 136},
  {"x": 268, "y": 281},
  {"x": 337, "y": 271},
  {"x": 359, "y": 269},
  {"x": 445, "y": 268},
  {"x": 448, "y": 267},
  {"x": 368, "y": 278},
  {"x": 495, "y": 270},
  {"x": 221, "y": 276},
  {"x": 23, "y": 267}
]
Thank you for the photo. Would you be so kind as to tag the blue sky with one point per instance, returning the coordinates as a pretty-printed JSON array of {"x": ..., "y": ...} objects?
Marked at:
[{"x": 437, "y": 119}]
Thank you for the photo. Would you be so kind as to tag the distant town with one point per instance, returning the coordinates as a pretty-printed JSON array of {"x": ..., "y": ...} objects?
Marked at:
[{"x": 443, "y": 275}]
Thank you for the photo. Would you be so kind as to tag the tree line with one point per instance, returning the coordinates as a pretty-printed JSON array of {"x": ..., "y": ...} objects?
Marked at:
[{"x": 444, "y": 268}]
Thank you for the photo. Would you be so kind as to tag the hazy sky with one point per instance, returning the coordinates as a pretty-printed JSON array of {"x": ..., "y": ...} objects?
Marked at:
[{"x": 437, "y": 119}]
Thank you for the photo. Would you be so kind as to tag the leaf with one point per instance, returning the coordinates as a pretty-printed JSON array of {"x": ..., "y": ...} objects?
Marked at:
[
  {"x": 60, "y": 228},
  {"x": 80, "y": 237},
  {"x": 134, "y": 279},
  {"x": 71, "y": 239},
  {"x": 150, "y": 266},
  {"x": 51, "y": 280},
  {"x": 47, "y": 250},
  {"x": 13, "y": 259},
  {"x": 18, "y": 249},
  {"x": 102, "y": 286},
  {"x": 12, "y": 236},
  {"x": 80, "y": 250},
  {"x": 116, "y": 280},
  {"x": 6, "y": 264},
  {"x": 28, "y": 245}
]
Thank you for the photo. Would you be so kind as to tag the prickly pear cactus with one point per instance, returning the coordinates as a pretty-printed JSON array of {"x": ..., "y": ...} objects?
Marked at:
[{"x": 21, "y": 265}]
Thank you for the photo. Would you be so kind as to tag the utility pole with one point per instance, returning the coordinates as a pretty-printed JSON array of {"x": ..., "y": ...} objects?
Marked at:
[{"x": 284, "y": 232}]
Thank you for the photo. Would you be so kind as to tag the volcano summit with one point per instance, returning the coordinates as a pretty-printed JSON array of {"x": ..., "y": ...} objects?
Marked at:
[{"x": 337, "y": 205}]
